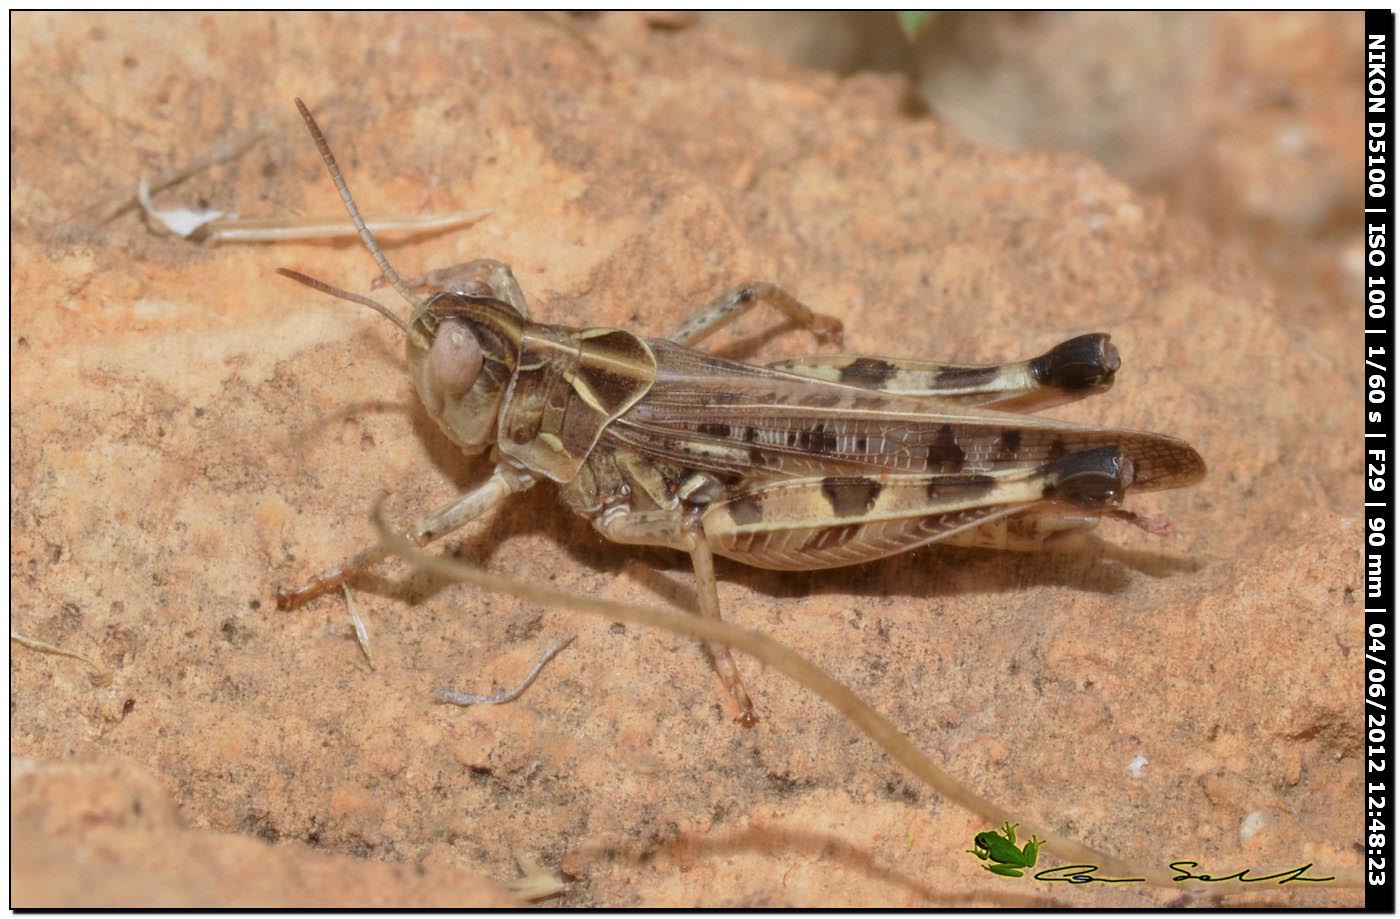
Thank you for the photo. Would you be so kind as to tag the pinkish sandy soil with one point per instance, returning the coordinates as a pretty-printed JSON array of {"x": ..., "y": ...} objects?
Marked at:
[{"x": 189, "y": 431}]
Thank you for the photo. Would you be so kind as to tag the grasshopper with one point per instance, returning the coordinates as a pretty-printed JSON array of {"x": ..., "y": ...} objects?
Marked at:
[{"x": 817, "y": 462}]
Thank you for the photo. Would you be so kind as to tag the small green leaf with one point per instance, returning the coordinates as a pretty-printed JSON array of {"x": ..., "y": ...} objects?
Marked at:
[{"x": 914, "y": 22}]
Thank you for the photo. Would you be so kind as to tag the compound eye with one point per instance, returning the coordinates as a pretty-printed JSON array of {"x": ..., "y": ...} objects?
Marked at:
[{"x": 455, "y": 358}]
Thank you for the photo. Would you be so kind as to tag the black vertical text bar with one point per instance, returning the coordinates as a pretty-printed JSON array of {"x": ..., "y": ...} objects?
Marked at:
[{"x": 1380, "y": 535}]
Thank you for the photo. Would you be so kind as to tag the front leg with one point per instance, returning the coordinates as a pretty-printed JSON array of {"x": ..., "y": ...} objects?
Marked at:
[
  {"x": 677, "y": 529},
  {"x": 444, "y": 520},
  {"x": 712, "y": 318}
]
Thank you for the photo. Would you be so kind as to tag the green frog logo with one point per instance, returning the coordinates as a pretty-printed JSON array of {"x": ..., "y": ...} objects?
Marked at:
[{"x": 1000, "y": 849}]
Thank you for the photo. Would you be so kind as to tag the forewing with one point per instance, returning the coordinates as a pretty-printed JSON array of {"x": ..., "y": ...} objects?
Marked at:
[{"x": 759, "y": 425}]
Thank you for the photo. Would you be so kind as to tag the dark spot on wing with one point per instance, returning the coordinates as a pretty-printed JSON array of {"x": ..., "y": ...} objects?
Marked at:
[
  {"x": 746, "y": 509},
  {"x": 750, "y": 435},
  {"x": 851, "y": 496},
  {"x": 867, "y": 371},
  {"x": 820, "y": 440},
  {"x": 960, "y": 487},
  {"x": 1057, "y": 450},
  {"x": 966, "y": 376},
  {"x": 944, "y": 454},
  {"x": 1010, "y": 441},
  {"x": 713, "y": 429}
]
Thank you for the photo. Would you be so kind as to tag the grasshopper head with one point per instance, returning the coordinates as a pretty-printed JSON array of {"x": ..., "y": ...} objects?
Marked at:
[
  {"x": 461, "y": 354},
  {"x": 462, "y": 347}
]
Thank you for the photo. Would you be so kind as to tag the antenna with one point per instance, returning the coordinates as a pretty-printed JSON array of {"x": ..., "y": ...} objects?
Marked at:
[
  {"x": 365, "y": 235},
  {"x": 379, "y": 308}
]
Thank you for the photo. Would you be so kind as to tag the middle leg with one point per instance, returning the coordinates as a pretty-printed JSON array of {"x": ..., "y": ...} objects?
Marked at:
[
  {"x": 707, "y": 591},
  {"x": 678, "y": 530}
]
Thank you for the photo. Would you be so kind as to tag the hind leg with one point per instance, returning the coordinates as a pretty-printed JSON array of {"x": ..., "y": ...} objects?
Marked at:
[{"x": 1073, "y": 369}]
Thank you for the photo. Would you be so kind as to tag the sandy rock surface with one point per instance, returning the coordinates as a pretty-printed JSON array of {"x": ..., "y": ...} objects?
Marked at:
[
  {"x": 1247, "y": 122},
  {"x": 190, "y": 431},
  {"x": 106, "y": 834}
]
